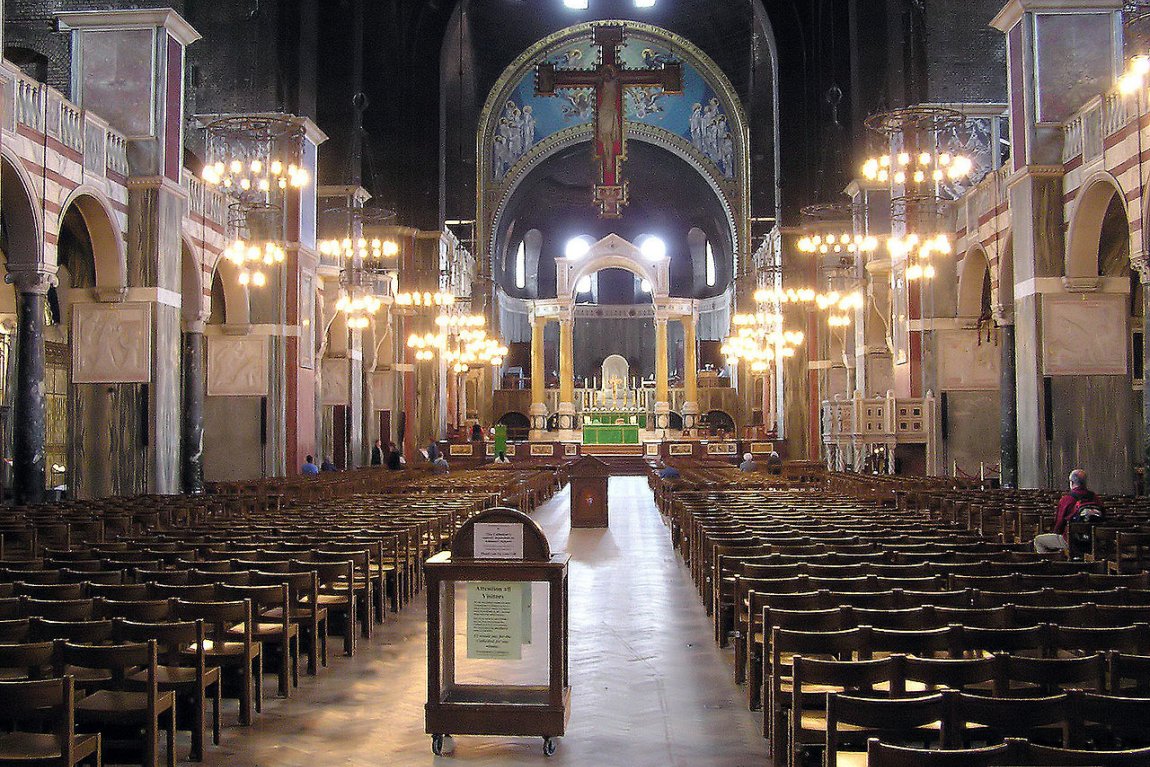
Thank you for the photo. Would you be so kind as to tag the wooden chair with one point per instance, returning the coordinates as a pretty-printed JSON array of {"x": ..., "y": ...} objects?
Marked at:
[
  {"x": 852, "y": 718},
  {"x": 57, "y": 609},
  {"x": 1076, "y": 640},
  {"x": 81, "y": 632},
  {"x": 303, "y": 592},
  {"x": 980, "y": 717},
  {"x": 336, "y": 594},
  {"x": 1050, "y": 676},
  {"x": 784, "y": 645},
  {"x": 1130, "y": 675},
  {"x": 881, "y": 754},
  {"x": 147, "y": 610},
  {"x": 278, "y": 631},
  {"x": 115, "y": 710},
  {"x": 120, "y": 591},
  {"x": 361, "y": 581},
  {"x": 1026, "y": 753},
  {"x": 1123, "y": 720},
  {"x": 227, "y": 651},
  {"x": 54, "y": 701},
  {"x": 186, "y": 675},
  {"x": 47, "y": 591},
  {"x": 1131, "y": 552},
  {"x": 813, "y": 678},
  {"x": 984, "y": 676},
  {"x": 14, "y": 630},
  {"x": 26, "y": 660}
]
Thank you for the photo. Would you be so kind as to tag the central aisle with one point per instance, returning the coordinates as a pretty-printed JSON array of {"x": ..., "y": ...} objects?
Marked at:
[{"x": 650, "y": 688}]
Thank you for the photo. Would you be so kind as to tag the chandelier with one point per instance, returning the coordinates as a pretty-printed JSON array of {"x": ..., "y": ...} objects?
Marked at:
[
  {"x": 917, "y": 252},
  {"x": 252, "y": 259},
  {"x": 255, "y": 160},
  {"x": 424, "y": 299},
  {"x": 903, "y": 169},
  {"x": 461, "y": 340},
  {"x": 371, "y": 253},
  {"x": 838, "y": 242},
  {"x": 359, "y": 306},
  {"x": 1134, "y": 78},
  {"x": 760, "y": 340}
]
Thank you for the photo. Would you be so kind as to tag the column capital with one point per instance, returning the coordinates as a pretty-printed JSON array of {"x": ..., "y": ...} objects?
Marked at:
[
  {"x": 1002, "y": 314},
  {"x": 1141, "y": 263},
  {"x": 31, "y": 280}
]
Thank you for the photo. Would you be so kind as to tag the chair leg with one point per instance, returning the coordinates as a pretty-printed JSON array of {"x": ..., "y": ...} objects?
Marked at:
[
  {"x": 259, "y": 680},
  {"x": 323, "y": 643},
  {"x": 172, "y": 737},
  {"x": 285, "y": 669},
  {"x": 295, "y": 660},
  {"x": 216, "y": 700},
  {"x": 197, "y": 752},
  {"x": 245, "y": 696}
]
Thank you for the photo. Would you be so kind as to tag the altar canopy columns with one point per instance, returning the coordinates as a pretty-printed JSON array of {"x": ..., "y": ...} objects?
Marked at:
[
  {"x": 538, "y": 379},
  {"x": 567, "y": 416},
  {"x": 690, "y": 373},
  {"x": 662, "y": 393}
]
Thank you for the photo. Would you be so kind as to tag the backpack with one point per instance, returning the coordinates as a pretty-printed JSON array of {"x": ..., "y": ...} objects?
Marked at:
[{"x": 1087, "y": 512}]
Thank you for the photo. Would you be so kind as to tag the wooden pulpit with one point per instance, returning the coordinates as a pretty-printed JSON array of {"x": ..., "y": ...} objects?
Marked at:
[{"x": 589, "y": 478}]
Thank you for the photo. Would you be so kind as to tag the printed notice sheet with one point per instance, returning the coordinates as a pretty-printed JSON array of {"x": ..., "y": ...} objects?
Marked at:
[
  {"x": 498, "y": 540},
  {"x": 495, "y": 620}
]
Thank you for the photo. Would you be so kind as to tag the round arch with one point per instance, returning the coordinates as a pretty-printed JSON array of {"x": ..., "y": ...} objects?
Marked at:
[
  {"x": 495, "y": 186},
  {"x": 237, "y": 309},
  {"x": 972, "y": 278},
  {"x": 603, "y": 256},
  {"x": 1085, "y": 233},
  {"x": 193, "y": 303},
  {"x": 108, "y": 250},
  {"x": 25, "y": 230}
]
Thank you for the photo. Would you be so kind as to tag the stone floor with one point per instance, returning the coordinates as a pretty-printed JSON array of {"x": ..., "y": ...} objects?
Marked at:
[{"x": 649, "y": 685}]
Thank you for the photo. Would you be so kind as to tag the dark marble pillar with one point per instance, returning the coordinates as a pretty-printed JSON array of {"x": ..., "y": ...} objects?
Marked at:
[
  {"x": 29, "y": 425},
  {"x": 1144, "y": 271},
  {"x": 192, "y": 426},
  {"x": 1008, "y": 393}
]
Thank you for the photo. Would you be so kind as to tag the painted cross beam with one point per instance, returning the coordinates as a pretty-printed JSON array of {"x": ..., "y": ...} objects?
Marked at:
[{"x": 609, "y": 80}]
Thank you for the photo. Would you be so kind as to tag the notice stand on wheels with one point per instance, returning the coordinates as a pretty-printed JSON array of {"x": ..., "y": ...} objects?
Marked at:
[{"x": 496, "y": 680}]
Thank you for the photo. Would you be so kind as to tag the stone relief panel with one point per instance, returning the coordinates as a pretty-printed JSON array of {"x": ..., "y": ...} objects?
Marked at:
[
  {"x": 237, "y": 366},
  {"x": 1084, "y": 335},
  {"x": 967, "y": 365},
  {"x": 113, "y": 343}
]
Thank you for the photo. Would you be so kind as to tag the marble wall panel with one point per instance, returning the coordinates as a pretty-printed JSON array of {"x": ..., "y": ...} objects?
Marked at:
[
  {"x": 1084, "y": 335},
  {"x": 965, "y": 364},
  {"x": 237, "y": 366},
  {"x": 112, "y": 343}
]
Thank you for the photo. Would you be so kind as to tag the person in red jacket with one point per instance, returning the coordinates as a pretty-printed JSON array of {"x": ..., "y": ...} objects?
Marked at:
[{"x": 1068, "y": 506}]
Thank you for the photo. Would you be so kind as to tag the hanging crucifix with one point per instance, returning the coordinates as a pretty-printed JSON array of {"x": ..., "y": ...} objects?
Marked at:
[{"x": 609, "y": 80}]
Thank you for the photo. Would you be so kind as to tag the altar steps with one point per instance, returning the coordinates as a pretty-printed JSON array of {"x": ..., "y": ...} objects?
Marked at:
[{"x": 601, "y": 451}]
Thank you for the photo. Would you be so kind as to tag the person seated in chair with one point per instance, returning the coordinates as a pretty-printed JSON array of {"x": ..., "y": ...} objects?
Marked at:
[
  {"x": 748, "y": 463},
  {"x": 1073, "y": 506}
]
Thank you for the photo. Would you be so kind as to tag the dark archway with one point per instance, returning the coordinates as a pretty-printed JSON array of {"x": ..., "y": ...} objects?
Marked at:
[{"x": 518, "y": 425}]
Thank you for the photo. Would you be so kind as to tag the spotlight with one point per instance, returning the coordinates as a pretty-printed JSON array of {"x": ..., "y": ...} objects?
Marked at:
[
  {"x": 576, "y": 5},
  {"x": 644, "y": 3}
]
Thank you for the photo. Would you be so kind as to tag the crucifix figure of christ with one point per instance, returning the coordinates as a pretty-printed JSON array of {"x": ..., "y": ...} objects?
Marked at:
[{"x": 609, "y": 80}]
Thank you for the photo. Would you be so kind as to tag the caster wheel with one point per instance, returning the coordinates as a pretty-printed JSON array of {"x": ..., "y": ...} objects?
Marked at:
[
  {"x": 442, "y": 744},
  {"x": 549, "y": 746}
]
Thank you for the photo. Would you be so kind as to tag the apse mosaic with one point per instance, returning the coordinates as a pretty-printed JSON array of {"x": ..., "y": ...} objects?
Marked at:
[{"x": 696, "y": 115}]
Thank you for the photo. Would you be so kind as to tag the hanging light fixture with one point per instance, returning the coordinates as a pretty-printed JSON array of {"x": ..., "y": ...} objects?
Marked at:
[{"x": 253, "y": 260}]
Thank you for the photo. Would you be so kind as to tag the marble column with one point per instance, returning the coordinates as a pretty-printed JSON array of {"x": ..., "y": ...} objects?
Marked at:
[
  {"x": 1144, "y": 272},
  {"x": 662, "y": 393},
  {"x": 690, "y": 373},
  {"x": 566, "y": 375},
  {"x": 1008, "y": 395},
  {"x": 192, "y": 431},
  {"x": 538, "y": 380},
  {"x": 29, "y": 420}
]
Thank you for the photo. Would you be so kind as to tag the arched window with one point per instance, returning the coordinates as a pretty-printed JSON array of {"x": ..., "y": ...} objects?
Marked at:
[
  {"x": 712, "y": 272},
  {"x": 521, "y": 266}
]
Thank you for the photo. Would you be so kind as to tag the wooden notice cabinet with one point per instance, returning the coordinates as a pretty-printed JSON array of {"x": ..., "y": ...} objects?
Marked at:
[
  {"x": 589, "y": 478},
  {"x": 497, "y": 555}
]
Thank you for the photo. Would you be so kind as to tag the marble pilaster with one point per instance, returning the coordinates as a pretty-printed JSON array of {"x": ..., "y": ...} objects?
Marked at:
[{"x": 192, "y": 433}]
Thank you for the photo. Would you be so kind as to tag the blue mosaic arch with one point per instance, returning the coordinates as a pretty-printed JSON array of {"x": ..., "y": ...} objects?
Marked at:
[{"x": 705, "y": 124}]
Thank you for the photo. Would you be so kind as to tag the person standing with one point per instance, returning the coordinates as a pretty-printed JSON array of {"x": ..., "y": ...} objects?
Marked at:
[
  {"x": 1079, "y": 497},
  {"x": 377, "y": 453},
  {"x": 394, "y": 458},
  {"x": 309, "y": 469}
]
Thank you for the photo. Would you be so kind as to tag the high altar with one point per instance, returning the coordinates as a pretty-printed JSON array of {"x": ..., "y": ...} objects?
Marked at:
[{"x": 616, "y": 417}]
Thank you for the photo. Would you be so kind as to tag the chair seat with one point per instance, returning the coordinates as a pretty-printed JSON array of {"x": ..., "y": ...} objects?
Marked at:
[
  {"x": 327, "y": 600},
  {"x": 217, "y": 649},
  {"x": 117, "y": 705},
  {"x": 298, "y": 613},
  {"x": 176, "y": 677},
  {"x": 13, "y": 674},
  {"x": 32, "y": 747},
  {"x": 264, "y": 630}
]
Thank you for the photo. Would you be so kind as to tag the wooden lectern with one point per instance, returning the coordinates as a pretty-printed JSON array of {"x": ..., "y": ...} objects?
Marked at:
[
  {"x": 589, "y": 478},
  {"x": 495, "y": 555}
]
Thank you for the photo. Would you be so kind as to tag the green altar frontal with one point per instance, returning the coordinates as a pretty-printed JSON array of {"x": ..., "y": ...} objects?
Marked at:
[{"x": 612, "y": 427}]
